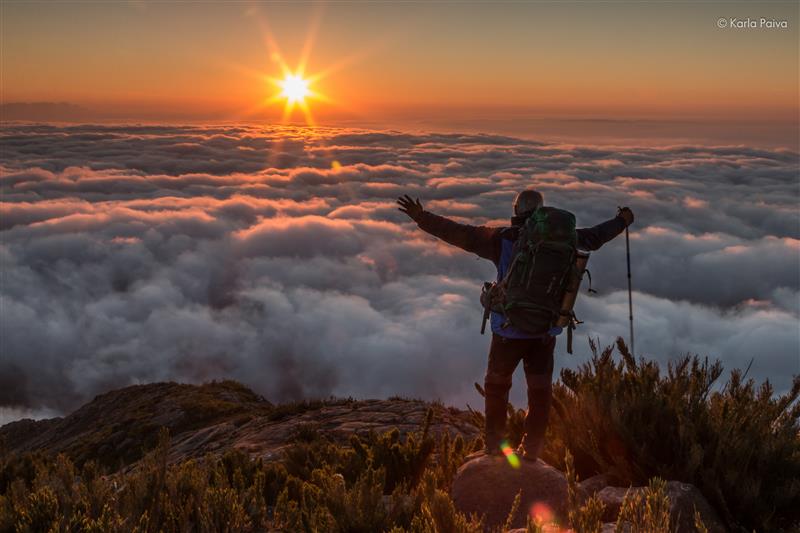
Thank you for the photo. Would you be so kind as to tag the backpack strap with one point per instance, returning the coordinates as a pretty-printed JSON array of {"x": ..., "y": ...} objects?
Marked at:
[{"x": 509, "y": 233}]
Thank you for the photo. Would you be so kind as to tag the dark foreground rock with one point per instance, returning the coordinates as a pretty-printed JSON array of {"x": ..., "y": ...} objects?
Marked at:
[
  {"x": 684, "y": 499},
  {"x": 488, "y": 485}
]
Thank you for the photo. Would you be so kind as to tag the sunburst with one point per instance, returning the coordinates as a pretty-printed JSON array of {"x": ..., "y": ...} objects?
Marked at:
[{"x": 295, "y": 88}]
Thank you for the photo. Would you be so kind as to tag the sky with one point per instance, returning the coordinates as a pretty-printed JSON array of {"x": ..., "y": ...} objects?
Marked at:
[
  {"x": 162, "y": 216},
  {"x": 448, "y": 64}
]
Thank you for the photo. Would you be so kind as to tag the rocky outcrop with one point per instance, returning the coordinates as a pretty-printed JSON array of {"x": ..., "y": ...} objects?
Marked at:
[
  {"x": 487, "y": 485},
  {"x": 116, "y": 428},
  {"x": 684, "y": 499},
  {"x": 591, "y": 485}
]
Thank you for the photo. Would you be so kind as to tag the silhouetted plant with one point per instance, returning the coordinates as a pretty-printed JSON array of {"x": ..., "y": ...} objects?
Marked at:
[
  {"x": 646, "y": 511},
  {"x": 584, "y": 517},
  {"x": 738, "y": 443}
]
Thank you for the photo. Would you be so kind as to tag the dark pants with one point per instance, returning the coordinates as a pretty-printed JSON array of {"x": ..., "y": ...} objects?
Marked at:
[{"x": 537, "y": 360}]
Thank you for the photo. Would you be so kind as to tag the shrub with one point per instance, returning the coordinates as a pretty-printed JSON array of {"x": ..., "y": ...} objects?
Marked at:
[
  {"x": 738, "y": 443},
  {"x": 583, "y": 517},
  {"x": 646, "y": 511}
]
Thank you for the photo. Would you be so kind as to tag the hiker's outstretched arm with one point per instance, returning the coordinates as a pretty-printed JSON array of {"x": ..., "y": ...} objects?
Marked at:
[
  {"x": 481, "y": 240},
  {"x": 593, "y": 238}
]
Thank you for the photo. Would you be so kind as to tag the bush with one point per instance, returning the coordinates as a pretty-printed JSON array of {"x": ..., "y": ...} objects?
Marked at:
[
  {"x": 378, "y": 483},
  {"x": 738, "y": 443}
]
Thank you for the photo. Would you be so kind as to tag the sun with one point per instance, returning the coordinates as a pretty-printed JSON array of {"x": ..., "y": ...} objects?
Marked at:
[{"x": 294, "y": 88}]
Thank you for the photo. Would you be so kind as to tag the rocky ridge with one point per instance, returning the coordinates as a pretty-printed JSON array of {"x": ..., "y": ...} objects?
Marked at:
[{"x": 116, "y": 429}]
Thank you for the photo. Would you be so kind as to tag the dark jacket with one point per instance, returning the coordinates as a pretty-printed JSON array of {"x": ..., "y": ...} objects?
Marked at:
[{"x": 496, "y": 243}]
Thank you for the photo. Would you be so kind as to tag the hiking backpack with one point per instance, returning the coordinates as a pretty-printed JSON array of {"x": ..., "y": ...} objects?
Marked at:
[{"x": 545, "y": 266}]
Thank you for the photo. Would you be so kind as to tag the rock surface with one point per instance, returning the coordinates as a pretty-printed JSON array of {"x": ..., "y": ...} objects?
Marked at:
[
  {"x": 115, "y": 428},
  {"x": 591, "y": 485},
  {"x": 684, "y": 499},
  {"x": 488, "y": 485}
]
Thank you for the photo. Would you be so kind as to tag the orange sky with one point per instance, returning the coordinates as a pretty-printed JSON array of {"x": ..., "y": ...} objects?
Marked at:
[{"x": 399, "y": 60}]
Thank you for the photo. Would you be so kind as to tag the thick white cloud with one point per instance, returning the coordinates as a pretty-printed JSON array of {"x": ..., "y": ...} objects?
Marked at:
[{"x": 276, "y": 256}]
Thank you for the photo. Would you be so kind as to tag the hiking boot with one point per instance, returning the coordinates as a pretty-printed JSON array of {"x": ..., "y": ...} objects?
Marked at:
[
  {"x": 484, "y": 452},
  {"x": 493, "y": 449},
  {"x": 529, "y": 451},
  {"x": 525, "y": 455}
]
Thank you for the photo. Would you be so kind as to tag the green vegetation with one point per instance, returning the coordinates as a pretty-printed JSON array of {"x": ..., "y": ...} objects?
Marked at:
[
  {"x": 738, "y": 443},
  {"x": 378, "y": 483}
]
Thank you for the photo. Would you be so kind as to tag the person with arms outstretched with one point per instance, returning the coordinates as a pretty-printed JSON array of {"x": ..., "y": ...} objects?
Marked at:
[{"x": 509, "y": 344}]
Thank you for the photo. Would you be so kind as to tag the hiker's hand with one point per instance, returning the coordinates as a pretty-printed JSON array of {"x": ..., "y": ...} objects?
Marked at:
[
  {"x": 626, "y": 214},
  {"x": 410, "y": 207}
]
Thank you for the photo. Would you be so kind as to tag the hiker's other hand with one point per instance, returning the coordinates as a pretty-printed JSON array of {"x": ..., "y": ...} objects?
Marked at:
[
  {"x": 410, "y": 207},
  {"x": 626, "y": 214}
]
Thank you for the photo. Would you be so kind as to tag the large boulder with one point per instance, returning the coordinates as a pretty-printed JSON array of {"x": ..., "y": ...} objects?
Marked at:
[
  {"x": 487, "y": 485},
  {"x": 684, "y": 499}
]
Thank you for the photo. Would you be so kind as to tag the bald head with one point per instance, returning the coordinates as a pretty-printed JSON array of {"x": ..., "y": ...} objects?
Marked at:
[{"x": 527, "y": 201}]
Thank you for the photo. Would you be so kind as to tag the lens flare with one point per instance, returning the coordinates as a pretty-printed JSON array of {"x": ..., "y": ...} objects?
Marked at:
[
  {"x": 511, "y": 457},
  {"x": 541, "y": 514}
]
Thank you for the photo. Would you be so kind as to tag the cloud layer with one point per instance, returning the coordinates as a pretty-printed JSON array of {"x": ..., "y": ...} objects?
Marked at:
[{"x": 276, "y": 256}]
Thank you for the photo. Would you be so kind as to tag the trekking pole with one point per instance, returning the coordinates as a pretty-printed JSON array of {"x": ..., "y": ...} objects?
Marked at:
[{"x": 630, "y": 292}]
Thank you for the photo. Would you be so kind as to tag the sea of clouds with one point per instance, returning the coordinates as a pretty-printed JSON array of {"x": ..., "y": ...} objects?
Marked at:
[{"x": 276, "y": 256}]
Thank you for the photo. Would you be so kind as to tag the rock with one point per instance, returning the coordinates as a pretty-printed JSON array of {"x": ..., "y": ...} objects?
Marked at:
[
  {"x": 684, "y": 499},
  {"x": 611, "y": 527},
  {"x": 612, "y": 498},
  {"x": 594, "y": 484},
  {"x": 488, "y": 485},
  {"x": 212, "y": 418}
]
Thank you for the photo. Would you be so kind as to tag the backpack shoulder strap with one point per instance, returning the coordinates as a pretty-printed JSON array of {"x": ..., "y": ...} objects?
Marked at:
[{"x": 510, "y": 233}]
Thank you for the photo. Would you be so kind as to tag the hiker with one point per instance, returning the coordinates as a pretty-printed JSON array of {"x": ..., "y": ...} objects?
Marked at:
[{"x": 510, "y": 344}]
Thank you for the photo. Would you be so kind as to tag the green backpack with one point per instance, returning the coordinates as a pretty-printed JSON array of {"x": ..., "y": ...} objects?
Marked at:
[{"x": 543, "y": 266}]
